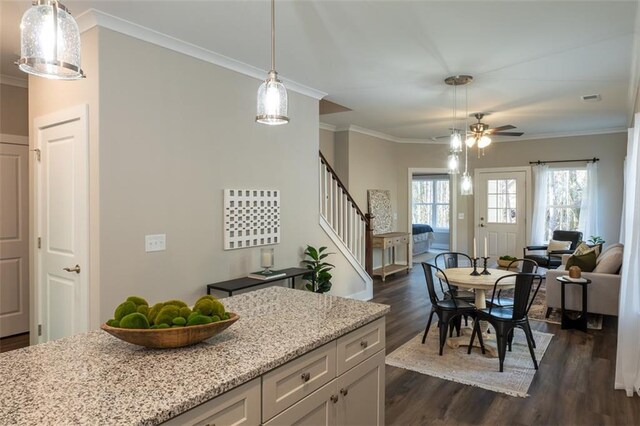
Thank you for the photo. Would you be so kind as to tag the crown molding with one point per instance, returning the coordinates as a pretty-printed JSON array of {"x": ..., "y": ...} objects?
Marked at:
[
  {"x": 96, "y": 18},
  {"x": 329, "y": 127},
  {"x": 380, "y": 135},
  {"x": 14, "y": 81},
  {"x": 563, "y": 135}
]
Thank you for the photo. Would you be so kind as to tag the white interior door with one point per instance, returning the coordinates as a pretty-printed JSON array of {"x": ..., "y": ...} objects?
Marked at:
[
  {"x": 62, "y": 215},
  {"x": 502, "y": 203},
  {"x": 14, "y": 239}
]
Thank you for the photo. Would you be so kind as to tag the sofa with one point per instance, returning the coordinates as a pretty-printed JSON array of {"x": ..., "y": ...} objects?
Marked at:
[{"x": 602, "y": 294}]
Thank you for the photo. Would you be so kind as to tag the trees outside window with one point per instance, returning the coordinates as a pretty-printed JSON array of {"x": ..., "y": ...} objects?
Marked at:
[
  {"x": 431, "y": 201},
  {"x": 565, "y": 188}
]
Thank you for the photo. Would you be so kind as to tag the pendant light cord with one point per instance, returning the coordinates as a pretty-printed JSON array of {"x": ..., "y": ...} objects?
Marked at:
[{"x": 273, "y": 35}]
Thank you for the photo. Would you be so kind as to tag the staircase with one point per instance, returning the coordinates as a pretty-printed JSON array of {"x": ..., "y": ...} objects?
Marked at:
[{"x": 344, "y": 222}]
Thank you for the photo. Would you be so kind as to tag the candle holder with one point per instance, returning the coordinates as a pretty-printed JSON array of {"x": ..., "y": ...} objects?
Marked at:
[
  {"x": 475, "y": 266},
  {"x": 266, "y": 260},
  {"x": 485, "y": 272}
]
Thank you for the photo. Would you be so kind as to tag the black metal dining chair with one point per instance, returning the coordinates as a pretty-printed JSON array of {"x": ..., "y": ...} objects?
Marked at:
[
  {"x": 505, "y": 319},
  {"x": 519, "y": 265},
  {"x": 455, "y": 260},
  {"x": 448, "y": 309}
]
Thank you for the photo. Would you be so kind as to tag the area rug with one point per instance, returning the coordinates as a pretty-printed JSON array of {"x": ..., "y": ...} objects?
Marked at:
[{"x": 474, "y": 369}]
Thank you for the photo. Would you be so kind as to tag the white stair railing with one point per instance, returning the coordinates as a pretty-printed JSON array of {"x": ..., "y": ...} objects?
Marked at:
[{"x": 341, "y": 214}]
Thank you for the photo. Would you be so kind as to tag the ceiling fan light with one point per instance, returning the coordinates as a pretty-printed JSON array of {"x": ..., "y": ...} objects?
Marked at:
[
  {"x": 466, "y": 185},
  {"x": 50, "y": 42},
  {"x": 272, "y": 101},
  {"x": 456, "y": 142},
  {"x": 471, "y": 141},
  {"x": 484, "y": 142}
]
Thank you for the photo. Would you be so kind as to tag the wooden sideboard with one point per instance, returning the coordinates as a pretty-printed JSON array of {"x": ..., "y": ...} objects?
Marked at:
[{"x": 387, "y": 241}]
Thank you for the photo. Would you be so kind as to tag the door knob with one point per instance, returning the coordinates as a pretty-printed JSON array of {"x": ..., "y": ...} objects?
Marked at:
[{"x": 75, "y": 269}]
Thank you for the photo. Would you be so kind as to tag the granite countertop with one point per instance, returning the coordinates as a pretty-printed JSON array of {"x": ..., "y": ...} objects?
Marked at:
[{"x": 94, "y": 378}]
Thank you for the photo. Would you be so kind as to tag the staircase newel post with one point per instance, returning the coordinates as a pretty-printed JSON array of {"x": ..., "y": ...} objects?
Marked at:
[{"x": 368, "y": 261}]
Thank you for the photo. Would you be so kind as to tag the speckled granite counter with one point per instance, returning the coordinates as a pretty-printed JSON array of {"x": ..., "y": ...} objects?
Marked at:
[{"x": 95, "y": 378}]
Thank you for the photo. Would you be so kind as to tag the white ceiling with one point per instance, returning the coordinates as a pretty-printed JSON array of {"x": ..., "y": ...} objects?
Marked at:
[{"x": 386, "y": 60}]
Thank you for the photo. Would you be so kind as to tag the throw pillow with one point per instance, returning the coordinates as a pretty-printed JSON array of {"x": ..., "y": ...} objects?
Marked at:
[
  {"x": 584, "y": 248},
  {"x": 610, "y": 261},
  {"x": 586, "y": 262},
  {"x": 558, "y": 245}
]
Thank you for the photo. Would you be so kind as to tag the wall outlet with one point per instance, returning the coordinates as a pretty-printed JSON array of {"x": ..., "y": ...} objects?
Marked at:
[
  {"x": 157, "y": 242},
  {"x": 460, "y": 216}
]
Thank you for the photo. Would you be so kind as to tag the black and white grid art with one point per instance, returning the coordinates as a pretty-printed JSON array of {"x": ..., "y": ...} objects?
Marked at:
[{"x": 251, "y": 217}]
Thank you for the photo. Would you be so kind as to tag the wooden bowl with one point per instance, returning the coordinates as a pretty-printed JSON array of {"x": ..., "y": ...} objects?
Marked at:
[
  {"x": 504, "y": 263},
  {"x": 170, "y": 337}
]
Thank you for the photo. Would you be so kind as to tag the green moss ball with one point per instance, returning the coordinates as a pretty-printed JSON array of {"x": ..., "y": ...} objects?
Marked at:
[
  {"x": 199, "y": 319},
  {"x": 185, "y": 312},
  {"x": 134, "y": 320},
  {"x": 153, "y": 312},
  {"x": 144, "y": 310},
  {"x": 206, "y": 297},
  {"x": 178, "y": 303},
  {"x": 218, "y": 308},
  {"x": 205, "y": 306},
  {"x": 124, "y": 309},
  {"x": 167, "y": 314},
  {"x": 226, "y": 316},
  {"x": 215, "y": 318},
  {"x": 162, "y": 326},
  {"x": 179, "y": 321},
  {"x": 137, "y": 300},
  {"x": 113, "y": 323}
]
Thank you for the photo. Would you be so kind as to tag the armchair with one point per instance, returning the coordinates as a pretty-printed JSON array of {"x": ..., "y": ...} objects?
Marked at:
[{"x": 553, "y": 259}]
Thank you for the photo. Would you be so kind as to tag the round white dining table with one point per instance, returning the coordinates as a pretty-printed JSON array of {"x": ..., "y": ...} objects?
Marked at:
[{"x": 461, "y": 277}]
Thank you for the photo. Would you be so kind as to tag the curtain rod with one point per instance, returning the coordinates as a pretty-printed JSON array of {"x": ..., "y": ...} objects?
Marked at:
[{"x": 588, "y": 160}]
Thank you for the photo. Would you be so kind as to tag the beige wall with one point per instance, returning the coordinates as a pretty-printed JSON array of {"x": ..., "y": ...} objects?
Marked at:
[
  {"x": 341, "y": 157},
  {"x": 380, "y": 164},
  {"x": 14, "y": 110},
  {"x": 327, "y": 145},
  {"x": 171, "y": 141}
]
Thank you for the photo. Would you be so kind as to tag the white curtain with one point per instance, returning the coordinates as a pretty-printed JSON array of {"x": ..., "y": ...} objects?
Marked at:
[
  {"x": 540, "y": 177},
  {"x": 628, "y": 355},
  {"x": 588, "y": 221}
]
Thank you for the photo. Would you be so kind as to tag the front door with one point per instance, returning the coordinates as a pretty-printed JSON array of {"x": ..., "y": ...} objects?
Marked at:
[
  {"x": 62, "y": 221},
  {"x": 502, "y": 203},
  {"x": 14, "y": 239}
]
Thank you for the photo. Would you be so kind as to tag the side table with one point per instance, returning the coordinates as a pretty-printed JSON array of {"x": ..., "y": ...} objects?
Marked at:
[{"x": 568, "y": 321}]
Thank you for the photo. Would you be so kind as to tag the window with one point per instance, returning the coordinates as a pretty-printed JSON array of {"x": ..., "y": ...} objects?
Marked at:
[
  {"x": 501, "y": 201},
  {"x": 431, "y": 202},
  {"x": 564, "y": 198}
]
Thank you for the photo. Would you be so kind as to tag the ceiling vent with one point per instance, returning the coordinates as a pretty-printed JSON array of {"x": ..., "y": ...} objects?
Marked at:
[{"x": 590, "y": 98}]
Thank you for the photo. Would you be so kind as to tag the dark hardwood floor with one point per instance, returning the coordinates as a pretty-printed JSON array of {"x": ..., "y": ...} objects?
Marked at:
[
  {"x": 574, "y": 385},
  {"x": 14, "y": 342}
]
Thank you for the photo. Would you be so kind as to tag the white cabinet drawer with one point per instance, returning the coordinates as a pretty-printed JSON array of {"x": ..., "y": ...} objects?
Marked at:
[
  {"x": 317, "y": 409},
  {"x": 360, "y": 344},
  {"x": 240, "y": 406},
  {"x": 291, "y": 382}
]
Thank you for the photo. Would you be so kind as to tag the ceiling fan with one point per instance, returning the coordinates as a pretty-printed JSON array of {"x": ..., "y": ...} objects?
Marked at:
[{"x": 480, "y": 132}]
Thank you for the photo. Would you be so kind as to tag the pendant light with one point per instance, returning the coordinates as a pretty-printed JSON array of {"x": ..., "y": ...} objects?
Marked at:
[
  {"x": 272, "y": 95},
  {"x": 50, "y": 42},
  {"x": 455, "y": 142},
  {"x": 466, "y": 184}
]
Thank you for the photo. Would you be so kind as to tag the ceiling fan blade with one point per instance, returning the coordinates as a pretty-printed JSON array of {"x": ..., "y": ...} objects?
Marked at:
[
  {"x": 441, "y": 137},
  {"x": 498, "y": 129},
  {"x": 507, "y": 134}
]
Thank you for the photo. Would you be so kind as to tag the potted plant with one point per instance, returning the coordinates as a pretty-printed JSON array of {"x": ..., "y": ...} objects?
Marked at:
[
  {"x": 595, "y": 240},
  {"x": 318, "y": 276}
]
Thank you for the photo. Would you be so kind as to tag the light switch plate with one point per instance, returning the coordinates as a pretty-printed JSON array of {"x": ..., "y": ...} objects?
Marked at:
[
  {"x": 157, "y": 242},
  {"x": 460, "y": 216}
]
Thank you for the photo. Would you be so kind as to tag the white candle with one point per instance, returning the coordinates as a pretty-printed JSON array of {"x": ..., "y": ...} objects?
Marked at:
[
  {"x": 485, "y": 247},
  {"x": 474, "y": 247},
  {"x": 266, "y": 258}
]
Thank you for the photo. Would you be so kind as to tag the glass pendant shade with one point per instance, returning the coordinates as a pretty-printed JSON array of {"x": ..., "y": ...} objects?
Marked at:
[
  {"x": 456, "y": 142},
  {"x": 484, "y": 142},
  {"x": 466, "y": 185},
  {"x": 453, "y": 163},
  {"x": 50, "y": 42},
  {"x": 272, "y": 101}
]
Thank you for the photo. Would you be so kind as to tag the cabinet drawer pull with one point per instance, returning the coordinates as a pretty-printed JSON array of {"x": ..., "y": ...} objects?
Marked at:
[
  {"x": 305, "y": 377},
  {"x": 344, "y": 391},
  {"x": 364, "y": 344},
  {"x": 334, "y": 398}
]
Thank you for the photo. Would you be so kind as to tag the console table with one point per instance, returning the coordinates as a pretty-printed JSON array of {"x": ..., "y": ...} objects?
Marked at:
[
  {"x": 390, "y": 240},
  {"x": 245, "y": 282}
]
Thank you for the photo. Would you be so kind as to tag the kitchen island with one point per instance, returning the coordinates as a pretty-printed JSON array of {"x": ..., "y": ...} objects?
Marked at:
[{"x": 94, "y": 378}]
